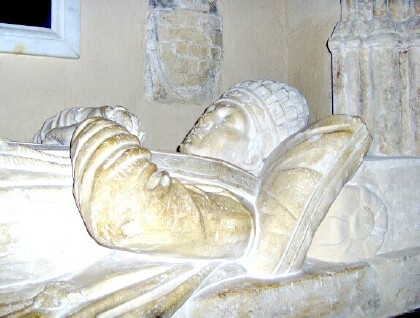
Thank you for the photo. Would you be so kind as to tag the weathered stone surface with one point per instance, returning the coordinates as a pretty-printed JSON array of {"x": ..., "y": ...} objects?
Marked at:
[
  {"x": 184, "y": 46},
  {"x": 376, "y": 71},
  {"x": 383, "y": 286}
]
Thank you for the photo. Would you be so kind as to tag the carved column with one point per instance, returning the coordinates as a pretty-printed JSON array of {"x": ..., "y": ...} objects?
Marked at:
[{"x": 376, "y": 71}]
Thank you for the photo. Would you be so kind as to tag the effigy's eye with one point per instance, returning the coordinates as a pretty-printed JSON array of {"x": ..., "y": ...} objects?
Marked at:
[{"x": 235, "y": 120}]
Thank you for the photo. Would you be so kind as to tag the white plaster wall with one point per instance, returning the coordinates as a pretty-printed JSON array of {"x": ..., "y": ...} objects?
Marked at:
[{"x": 258, "y": 43}]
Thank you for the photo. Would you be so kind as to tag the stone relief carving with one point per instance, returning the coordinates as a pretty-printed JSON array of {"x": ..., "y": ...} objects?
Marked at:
[
  {"x": 376, "y": 71},
  {"x": 184, "y": 48},
  {"x": 261, "y": 103},
  {"x": 59, "y": 128},
  {"x": 352, "y": 236}
]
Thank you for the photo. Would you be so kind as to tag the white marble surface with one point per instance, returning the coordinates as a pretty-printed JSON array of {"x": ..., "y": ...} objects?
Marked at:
[{"x": 62, "y": 40}]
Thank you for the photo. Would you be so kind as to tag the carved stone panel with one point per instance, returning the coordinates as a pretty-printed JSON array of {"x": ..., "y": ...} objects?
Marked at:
[
  {"x": 354, "y": 229},
  {"x": 376, "y": 71},
  {"x": 184, "y": 46},
  {"x": 375, "y": 213}
]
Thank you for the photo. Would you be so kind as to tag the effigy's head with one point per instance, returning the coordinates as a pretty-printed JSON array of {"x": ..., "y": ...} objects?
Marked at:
[{"x": 247, "y": 123}]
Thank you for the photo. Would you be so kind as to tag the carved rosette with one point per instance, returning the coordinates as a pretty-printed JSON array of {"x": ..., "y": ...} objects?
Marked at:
[{"x": 354, "y": 229}]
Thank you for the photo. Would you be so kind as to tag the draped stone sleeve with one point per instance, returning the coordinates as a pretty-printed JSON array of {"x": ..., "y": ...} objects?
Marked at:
[{"x": 126, "y": 204}]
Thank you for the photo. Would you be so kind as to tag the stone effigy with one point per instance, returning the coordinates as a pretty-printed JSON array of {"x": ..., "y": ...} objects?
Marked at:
[
  {"x": 268, "y": 234},
  {"x": 140, "y": 218},
  {"x": 251, "y": 226},
  {"x": 182, "y": 267}
]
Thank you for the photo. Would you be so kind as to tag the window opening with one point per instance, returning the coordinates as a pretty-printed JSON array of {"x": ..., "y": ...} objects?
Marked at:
[{"x": 34, "y": 13}]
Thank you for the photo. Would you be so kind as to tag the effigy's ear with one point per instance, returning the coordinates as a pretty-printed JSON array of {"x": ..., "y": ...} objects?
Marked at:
[{"x": 300, "y": 181}]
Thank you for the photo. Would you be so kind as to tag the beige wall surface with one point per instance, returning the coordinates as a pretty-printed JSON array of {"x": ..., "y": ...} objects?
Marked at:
[
  {"x": 309, "y": 25},
  {"x": 254, "y": 40},
  {"x": 267, "y": 39}
]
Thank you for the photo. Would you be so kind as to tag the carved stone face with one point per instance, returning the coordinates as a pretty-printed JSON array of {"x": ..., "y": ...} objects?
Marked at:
[
  {"x": 222, "y": 132},
  {"x": 247, "y": 122}
]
